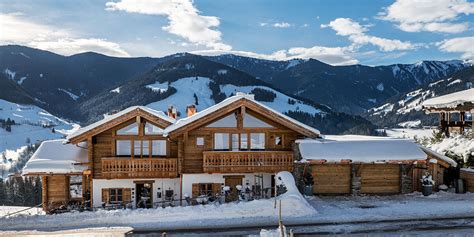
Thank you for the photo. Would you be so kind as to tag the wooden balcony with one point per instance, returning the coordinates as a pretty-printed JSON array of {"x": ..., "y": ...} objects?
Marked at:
[
  {"x": 247, "y": 161},
  {"x": 124, "y": 167}
]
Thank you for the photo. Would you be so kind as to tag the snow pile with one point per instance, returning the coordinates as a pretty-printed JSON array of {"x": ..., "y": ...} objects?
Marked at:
[
  {"x": 457, "y": 144},
  {"x": 257, "y": 212},
  {"x": 451, "y": 100},
  {"x": 58, "y": 158},
  {"x": 359, "y": 149}
]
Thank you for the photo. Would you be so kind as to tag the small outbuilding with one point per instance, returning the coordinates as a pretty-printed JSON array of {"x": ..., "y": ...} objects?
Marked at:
[
  {"x": 367, "y": 165},
  {"x": 62, "y": 168}
]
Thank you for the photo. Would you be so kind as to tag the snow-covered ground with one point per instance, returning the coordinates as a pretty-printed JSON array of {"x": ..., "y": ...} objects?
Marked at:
[
  {"x": 7, "y": 210},
  {"x": 459, "y": 145},
  {"x": 86, "y": 232},
  {"x": 393, "y": 207},
  {"x": 410, "y": 133},
  {"x": 34, "y": 124},
  {"x": 263, "y": 212}
]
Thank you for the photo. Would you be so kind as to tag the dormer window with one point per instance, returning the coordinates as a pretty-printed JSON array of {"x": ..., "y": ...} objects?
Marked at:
[{"x": 131, "y": 129}]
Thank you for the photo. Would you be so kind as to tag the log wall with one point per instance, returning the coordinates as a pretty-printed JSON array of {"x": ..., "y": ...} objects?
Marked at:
[
  {"x": 468, "y": 177},
  {"x": 331, "y": 178},
  {"x": 380, "y": 178}
]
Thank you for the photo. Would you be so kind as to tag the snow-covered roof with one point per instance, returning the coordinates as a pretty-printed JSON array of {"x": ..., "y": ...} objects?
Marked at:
[
  {"x": 55, "y": 157},
  {"x": 109, "y": 118},
  {"x": 439, "y": 156},
  {"x": 185, "y": 121},
  {"x": 451, "y": 100},
  {"x": 362, "y": 149}
]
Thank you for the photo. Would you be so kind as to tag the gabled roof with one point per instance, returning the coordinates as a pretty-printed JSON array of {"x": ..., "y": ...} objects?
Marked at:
[
  {"x": 451, "y": 101},
  {"x": 361, "y": 149},
  {"x": 55, "y": 157},
  {"x": 122, "y": 116},
  {"x": 233, "y": 103}
]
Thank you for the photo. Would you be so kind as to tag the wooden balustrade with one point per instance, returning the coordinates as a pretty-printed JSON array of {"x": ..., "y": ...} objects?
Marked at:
[
  {"x": 124, "y": 167},
  {"x": 247, "y": 161}
]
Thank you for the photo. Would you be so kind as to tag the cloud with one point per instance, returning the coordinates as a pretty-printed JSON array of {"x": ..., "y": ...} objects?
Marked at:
[
  {"x": 428, "y": 15},
  {"x": 184, "y": 20},
  {"x": 330, "y": 55},
  {"x": 357, "y": 35},
  {"x": 282, "y": 25},
  {"x": 74, "y": 46},
  {"x": 17, "y": 30},
  {"x": 462, "y": 45}
]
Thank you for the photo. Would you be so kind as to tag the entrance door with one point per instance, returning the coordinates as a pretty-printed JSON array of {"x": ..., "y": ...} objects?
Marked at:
[
  {"x": 232, "y": 182},
  {"x": 144, "y": 197}
]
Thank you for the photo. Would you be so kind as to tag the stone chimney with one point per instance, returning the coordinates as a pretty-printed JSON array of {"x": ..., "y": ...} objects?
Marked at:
[
  {"x": 172, "y": 112},
  {"x": 191, "y": 110}
]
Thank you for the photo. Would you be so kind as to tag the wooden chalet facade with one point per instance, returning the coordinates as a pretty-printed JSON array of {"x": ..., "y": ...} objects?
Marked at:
[{"x": 139, "y": 152}]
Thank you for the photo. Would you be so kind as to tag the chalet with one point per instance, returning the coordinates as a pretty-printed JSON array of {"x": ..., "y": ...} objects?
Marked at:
[
  {"x": 141, "y": 152},
  {"x": 140, "y": 157}
]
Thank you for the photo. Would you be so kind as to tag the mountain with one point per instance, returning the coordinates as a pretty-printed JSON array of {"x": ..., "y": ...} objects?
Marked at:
[
  {"x": 405, "y": 110},
  {"x": 61, "y": 82},
  {"x": 186, "y": 79},
  {"x": 260, "y": 68},
  {"x": 351, "y": 89}
]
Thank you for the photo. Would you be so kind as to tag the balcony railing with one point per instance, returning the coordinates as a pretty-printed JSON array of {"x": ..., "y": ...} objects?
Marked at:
[
  {"x": 247, "y": 161},
  {"x": 121, "y": 167}
]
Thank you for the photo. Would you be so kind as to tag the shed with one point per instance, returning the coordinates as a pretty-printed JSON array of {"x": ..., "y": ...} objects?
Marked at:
[
  {"x": 362, "y": 164},
  {"x": 61, "y": 166}
]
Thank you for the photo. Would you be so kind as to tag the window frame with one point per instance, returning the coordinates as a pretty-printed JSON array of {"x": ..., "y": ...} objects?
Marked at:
[{"x": 116, "y": 195}]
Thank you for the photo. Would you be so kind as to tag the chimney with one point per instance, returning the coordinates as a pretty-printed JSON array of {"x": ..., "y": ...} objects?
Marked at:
[
  {"x": 172, "y": 112},
  {"x": 191, "y": 110}
]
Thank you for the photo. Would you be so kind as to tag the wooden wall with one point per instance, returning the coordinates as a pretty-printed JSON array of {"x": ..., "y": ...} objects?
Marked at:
[
  {"x": 468, "y": 179},
  {"x": 331, "y": 178},
  {"x": 55, "y": 191},
  {"x": 380, "y": 178}
]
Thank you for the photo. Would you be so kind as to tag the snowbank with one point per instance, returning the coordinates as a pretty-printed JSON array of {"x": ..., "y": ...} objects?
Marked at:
[
  {"x": 56, "y": 157},
  {"x": 359, "y": 149},
  {"x": 460, "y": 145},
  {"x": 451, "y": 100},
  {"x": 257, "y": 212}
]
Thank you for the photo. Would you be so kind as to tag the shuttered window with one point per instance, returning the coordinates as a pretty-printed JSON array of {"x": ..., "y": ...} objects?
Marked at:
[{"x": 116, "y": 195}]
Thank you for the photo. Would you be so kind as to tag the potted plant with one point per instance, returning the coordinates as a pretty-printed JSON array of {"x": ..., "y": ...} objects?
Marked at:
[{"x": 427, "y": 183}]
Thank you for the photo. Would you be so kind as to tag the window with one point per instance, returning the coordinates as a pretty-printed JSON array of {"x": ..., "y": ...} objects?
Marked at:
[
  {"x": 257, "y": 141},
  {"x": 116, "y": 195},
  {"x": 131, "y": 129},
  {"x": 227, "y": 122},
  {"x": 199, "y": 141},
  {"x": 151, "y": 129},
  {"x": 205, "y": 189},
  {"x": 158, "y": 148},
  {"x": 252, "y": 122},
  {"x": 221, "y": 141},
  {"x": 75, "y": 186},
  {"x": 123, "y": 148},
  {"x": 278, "y": 140},
  {"x": 235, "y": 141},
  {"x": 243, "y": 141},
  {"x": 137, "y": 148}
]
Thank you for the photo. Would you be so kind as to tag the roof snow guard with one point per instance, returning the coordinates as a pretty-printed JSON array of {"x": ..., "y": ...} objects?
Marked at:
[
  {"x": 55, "y": 157},
  {"x": 451, "y": 101},
  {"x": 360, "y": 150}
]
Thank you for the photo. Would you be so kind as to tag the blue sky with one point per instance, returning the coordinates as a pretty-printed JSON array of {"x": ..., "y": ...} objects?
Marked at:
[{"x": 338, "y": 32}]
